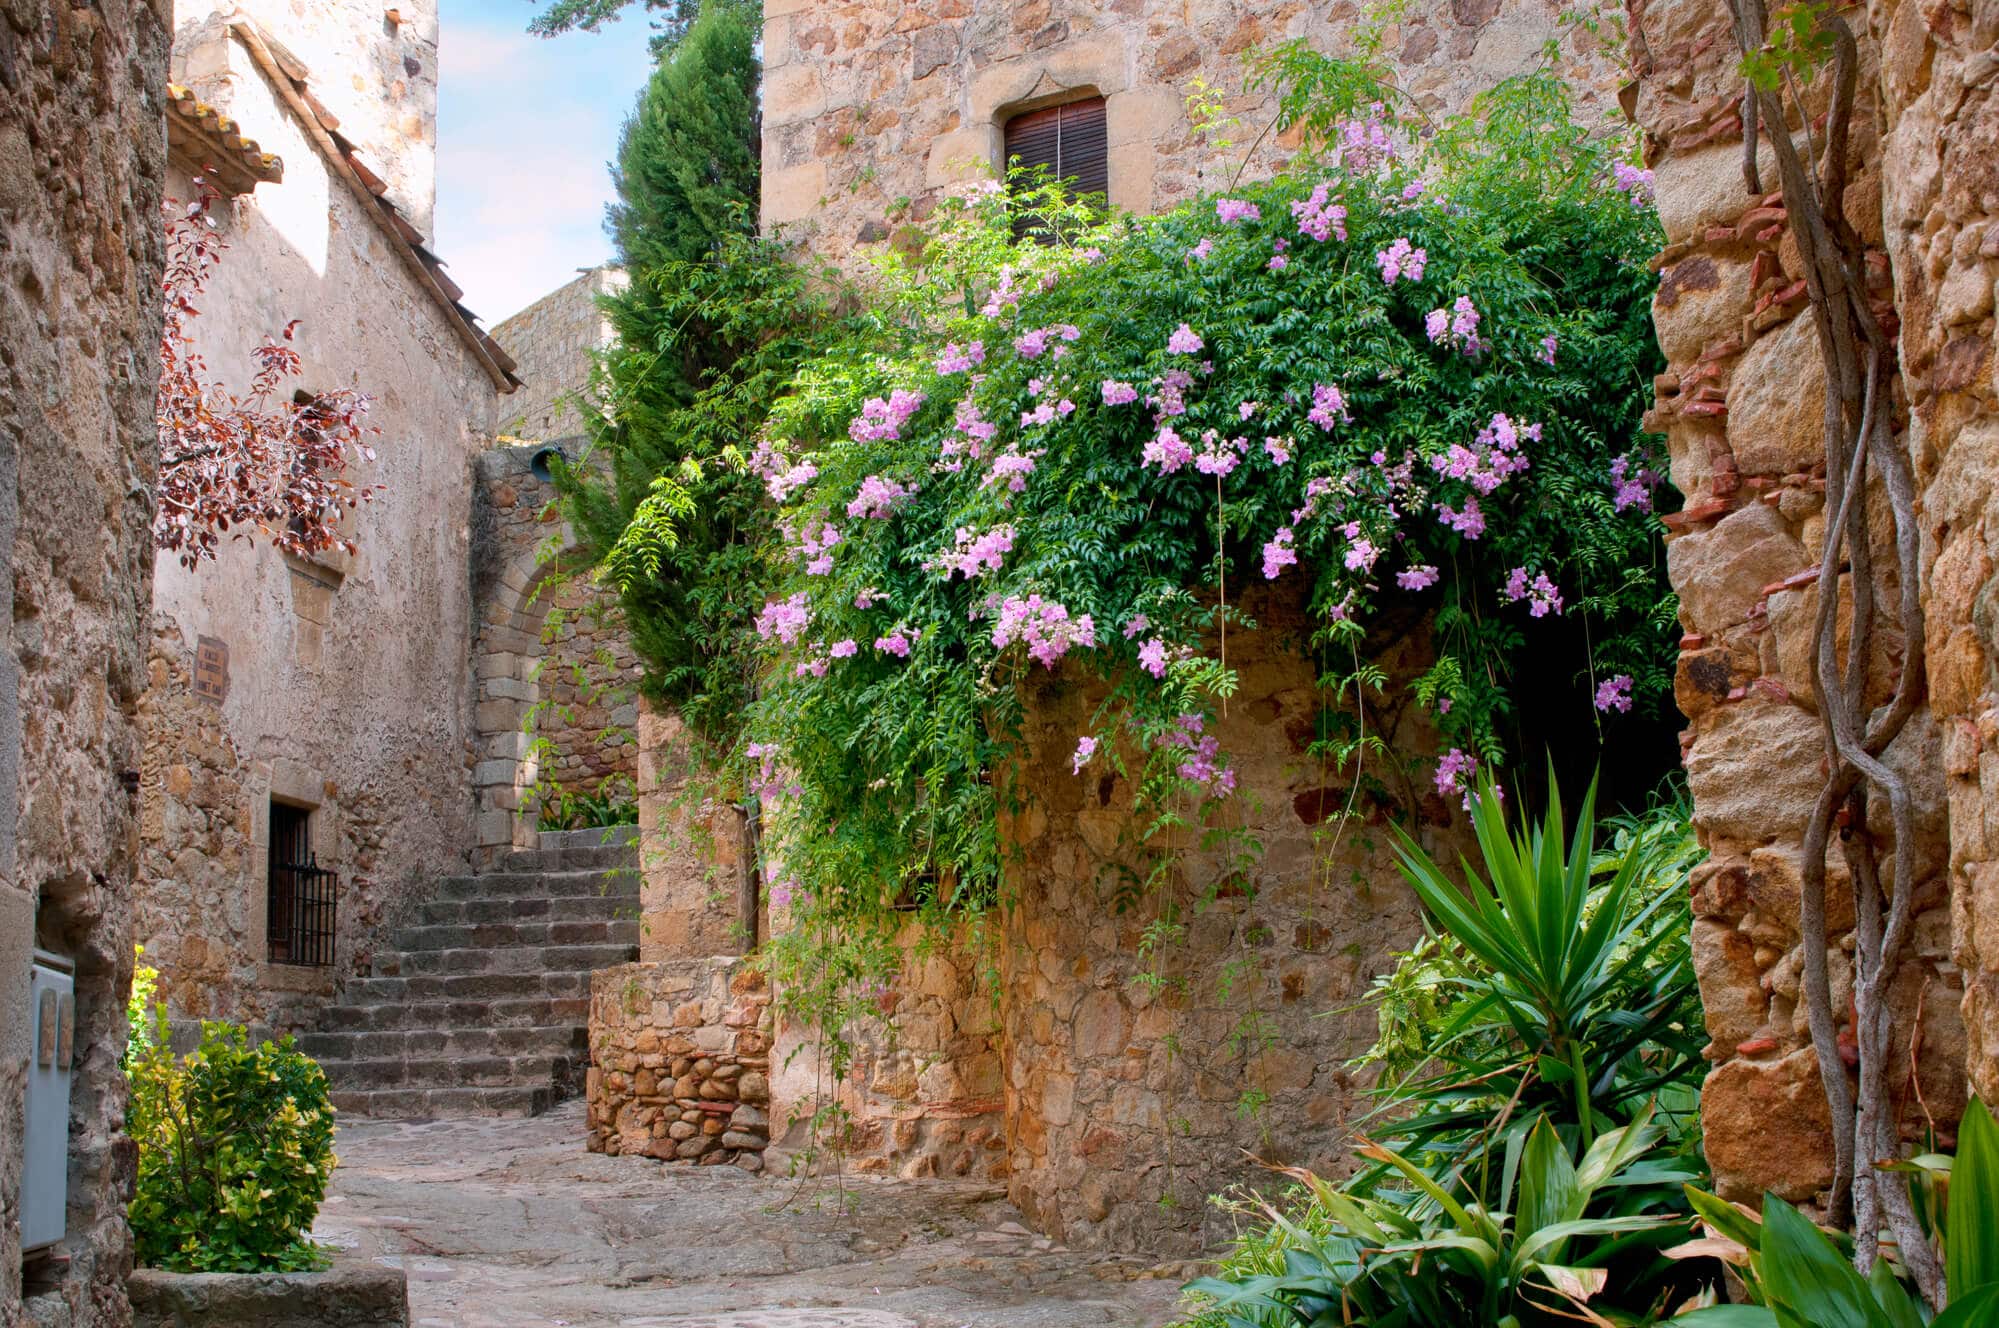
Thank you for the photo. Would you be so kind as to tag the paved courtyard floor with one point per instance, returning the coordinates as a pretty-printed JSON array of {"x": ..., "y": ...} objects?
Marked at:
[{"x": 511, "y": 1224}]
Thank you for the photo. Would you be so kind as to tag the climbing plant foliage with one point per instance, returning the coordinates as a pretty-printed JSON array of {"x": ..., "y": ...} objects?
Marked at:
[{"x": 1387, "y": 380}]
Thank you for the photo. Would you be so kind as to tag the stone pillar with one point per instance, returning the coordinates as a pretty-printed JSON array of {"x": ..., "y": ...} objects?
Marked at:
[
  {"x": 690, "y": 850},
  {"x": 82, "y": 139},
  {"x": 1941, "y": 220},
  {"x": 1741, "y": 405}
]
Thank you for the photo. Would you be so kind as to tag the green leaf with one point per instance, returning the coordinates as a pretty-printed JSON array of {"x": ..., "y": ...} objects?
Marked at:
[
  {"x": 1803, "y": 1272},
  {"x": 1729, "y": 1316},
  {"x": 1978, "y": 1310},
  {"x": 1971, "y": 1243}
]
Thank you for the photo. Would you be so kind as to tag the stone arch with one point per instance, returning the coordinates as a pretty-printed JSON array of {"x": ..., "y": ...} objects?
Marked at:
[{"x": 525, "y": 550}]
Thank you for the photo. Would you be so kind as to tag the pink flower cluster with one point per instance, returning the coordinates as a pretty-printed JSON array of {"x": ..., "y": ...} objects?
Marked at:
[
  {"x": 1541, "y": 594},
  {"x": 1278, "y": 262},
  {"x": 1171, "y": 399},
  {"x": 1364, "y": 144},
  {"x": 1279, "y": 554},
  {"x": 816, "y": 547},
  {"x": 1118, "y": 394},
  {"x": 1319, "y": 218},
  {"x": 1218, "y": 457},
  {"x": 1279, "y": 450},
  {"x": 1152, "y": 656},
  {"x": 1469, "y": 522},
  {"x": 1233, "y": 210},
  {"x": 1031, "y": 345},
  {"x": 1631, "y": 488},
  {"x": 1361, "y": 553},
  {"x": 975, "y": 553},
  {"x": 1200, "y": 765},
  {"x": 1633, "y": 180},
  {"x": 1614, "y": 693},
  {"x": 1011, "y": 469},
  {"x": 1456, "y": 771},
  {"x": 881, "y": 418},
  {"x": 1398, "y": 260},
  {"x": 1184, "y": 341},
  {"x": 1003, "y": 296},
  {"x": 1456, "y": 326},
  {"x": 1548, "y": 346},
  {"x": 954, "y": 360},
  {"x": 1329, "y": 406},
  {"x": 767, "y": 784},
  {"x": 1167, "y": 450},
  {"x": 897, "y": 642},
  {"x": 1044, "y": 626},
  {"x": 785, "y": 619},
  {"x": 1085, "y": 749},
  {"x": 1493, "y": 456},
  {"x": 974, "y": 432},
  {"x": 1199, "y": 253},
  {"x": 780, "y": 477},
  {"x": 1417, "y": 578},
  {"x": 877, "y": 497}
]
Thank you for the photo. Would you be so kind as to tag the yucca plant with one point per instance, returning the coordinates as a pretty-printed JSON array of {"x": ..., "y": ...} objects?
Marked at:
[
  {"x": 1800, "y": 1276},
  {"x": 1584, "y": 1008},
  {"x": 1562, "y": 1234}
]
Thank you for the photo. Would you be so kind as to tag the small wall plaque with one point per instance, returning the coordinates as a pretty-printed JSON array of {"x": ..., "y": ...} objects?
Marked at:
[{"x": 211, "y": 670}]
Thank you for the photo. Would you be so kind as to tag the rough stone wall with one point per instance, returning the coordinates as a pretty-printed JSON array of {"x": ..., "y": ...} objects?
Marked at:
[
  {"x": 1940, "y": 107},
  {"x": 1741, "y": 406},
  {"x": 377, "y": 75},
  {"x": 867, "y": 105},
  {"x": 556, "y": 701},
  {"x": 82, "y": 159},
  {"x": 552, "y": 342},
  {"x": 680, "y": 1062},
  {"x": 924, "y": 1095},
  {"x": 329, "y": 696},
  {"x": 1129, "y": 1102}
]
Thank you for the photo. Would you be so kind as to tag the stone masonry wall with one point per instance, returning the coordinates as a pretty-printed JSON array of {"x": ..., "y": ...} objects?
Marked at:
[
  {"x": 869, "y": 106},
  {"x": 924, "y": 1096},
  {"x": 1128, "y": 1102},
  {"x": 1741, "y": 405},
  {"x": 552, "y": 341},
  {"x": 680, "y": 1062},
  {"x": 82, "y": 161}
]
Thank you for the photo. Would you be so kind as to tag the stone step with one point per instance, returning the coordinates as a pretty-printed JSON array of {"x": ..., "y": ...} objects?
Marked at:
[
  {"x": 466, "y": 987},
  {"x": 532, "y": 1071},
  {"x": 597, "y": 858},
  {"x": 552, "y": 884},
  {"x": 551, "y": 959},
  {"x": 608, "y": 836},
  {"x": 424, "y": 1043},
  {"x": 421, "y": 1103},
  {"x": 516, "y": 1012},
  {"x": 517, "y": 934},
  {"x": 521, "y": 908}
]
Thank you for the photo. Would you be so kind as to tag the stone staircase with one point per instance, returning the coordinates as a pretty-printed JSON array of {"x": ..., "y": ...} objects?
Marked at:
[{"x": 482, "y": 1006}]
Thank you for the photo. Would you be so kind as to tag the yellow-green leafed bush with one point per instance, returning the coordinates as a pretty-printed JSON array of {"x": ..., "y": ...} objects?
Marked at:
[{"x": 235, "y": 1150}]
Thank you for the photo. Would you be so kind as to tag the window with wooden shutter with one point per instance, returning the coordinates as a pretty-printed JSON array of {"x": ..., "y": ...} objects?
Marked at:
[{"x": 1070, "y": 140}]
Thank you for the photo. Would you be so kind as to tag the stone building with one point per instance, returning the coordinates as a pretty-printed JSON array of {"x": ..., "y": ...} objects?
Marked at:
[
  {"x": 297, "y": 716},
  {"x": 871, "y": 109},
  {"x": 1741, "y": 408},
  {"x": 554, "y": 341},
  {"x": 82, "y": 162},
  {"x": 1030, "y": 1054}
]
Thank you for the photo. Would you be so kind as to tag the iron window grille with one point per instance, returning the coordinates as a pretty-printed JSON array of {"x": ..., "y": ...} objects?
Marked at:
[{"x": 302, "y": 902}]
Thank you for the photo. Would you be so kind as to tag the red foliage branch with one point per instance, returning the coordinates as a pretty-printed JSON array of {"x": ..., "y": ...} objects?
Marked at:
[{"x": 263, "y": 464}]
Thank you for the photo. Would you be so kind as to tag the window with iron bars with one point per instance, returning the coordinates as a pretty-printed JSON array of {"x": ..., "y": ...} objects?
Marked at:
[{"x": 302, "y": 897}]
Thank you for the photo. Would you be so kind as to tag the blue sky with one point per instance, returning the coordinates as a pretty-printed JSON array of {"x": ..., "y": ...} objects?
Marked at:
[{"x": 525, "y": 127}]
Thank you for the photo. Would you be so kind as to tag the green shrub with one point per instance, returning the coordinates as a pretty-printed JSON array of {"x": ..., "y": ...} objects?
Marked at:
[
  {"x": 235, "y": 1149},
  {"x": 1540, "y": 1042}
]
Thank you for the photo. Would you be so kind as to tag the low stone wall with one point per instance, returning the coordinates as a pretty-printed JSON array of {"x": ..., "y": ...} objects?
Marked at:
[
  {"x": 353, "y": 1293},
  {"x": 680, "y": 1062}
]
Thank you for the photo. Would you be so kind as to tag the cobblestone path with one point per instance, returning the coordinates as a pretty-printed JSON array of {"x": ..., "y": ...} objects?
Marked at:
[{"x": 510, "y": 1224}]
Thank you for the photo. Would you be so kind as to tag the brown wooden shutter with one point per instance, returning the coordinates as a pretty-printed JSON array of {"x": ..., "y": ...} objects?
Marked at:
[{"x": 1070, "y": 140}]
